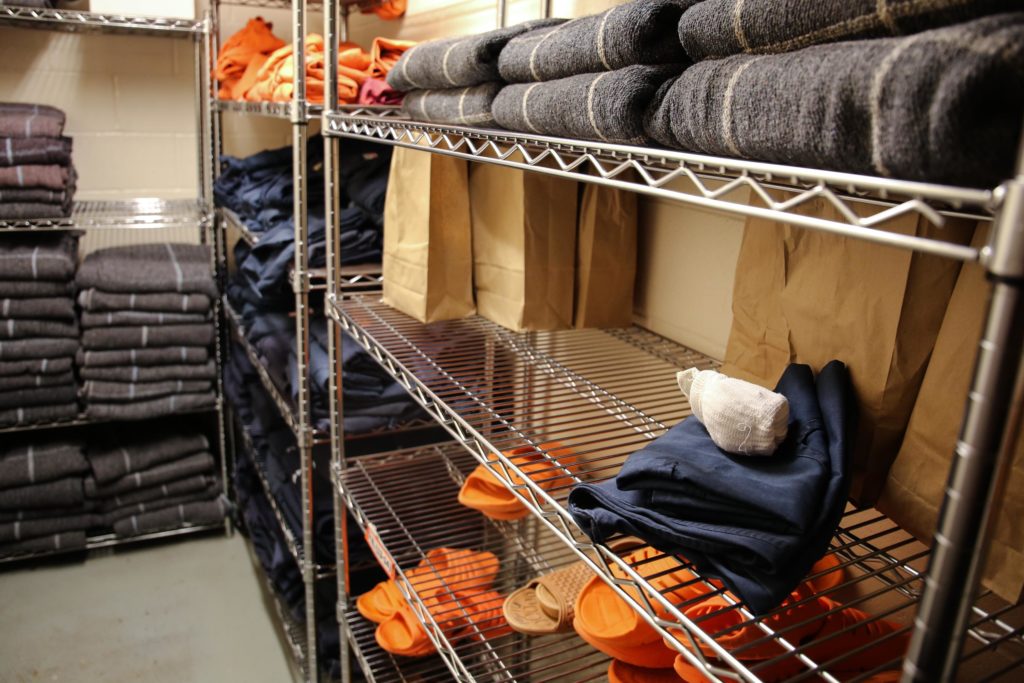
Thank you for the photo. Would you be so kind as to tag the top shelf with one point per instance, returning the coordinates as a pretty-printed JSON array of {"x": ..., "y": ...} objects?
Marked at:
[
  {"x": 862, "y": 203},
  {"x": 76, "y": 21}
]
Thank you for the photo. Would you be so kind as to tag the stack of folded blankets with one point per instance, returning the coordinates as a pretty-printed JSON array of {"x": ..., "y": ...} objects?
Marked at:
[
  {"x": 153, "y": 478},
  {"x": 37, "y": 179},
  {"x": 42, "y": 502},
  {"x": 146, "y": 331},
  {"x": 38, "y": 329},
  {"x": 257, "y": 66}
]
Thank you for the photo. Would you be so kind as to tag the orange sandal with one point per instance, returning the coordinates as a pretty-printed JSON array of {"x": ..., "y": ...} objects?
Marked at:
[
  {"x": 483, "y": 491},
  {"x": 621, "y": 672}
]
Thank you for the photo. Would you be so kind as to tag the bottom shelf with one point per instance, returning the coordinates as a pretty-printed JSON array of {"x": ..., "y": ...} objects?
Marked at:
[{"x": 379, "y": 666}]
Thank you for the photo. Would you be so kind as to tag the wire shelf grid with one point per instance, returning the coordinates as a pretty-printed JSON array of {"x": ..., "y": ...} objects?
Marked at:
[
  {"x": 135, "y": 214},
  {"x": 77, "y": 21}
]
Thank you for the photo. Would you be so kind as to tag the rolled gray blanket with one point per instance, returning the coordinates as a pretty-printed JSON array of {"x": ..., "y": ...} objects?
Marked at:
[
  {"x": 188, "y": 514},
  {"x": 140, "y": 451},
  {"x": 464, "y": 106},
  {"x": 22, "y": 328},
  {"x": 197, "y": 463},
  {"x": 457, "y": 62},
  {"x": 116, "y": 514},
  {"x": 944, "y": 105},
  {"x": 35, "y": 414},
  {"x": 37, "y": 463},
  {"x": 607, "y": 106},
  {"x": 718, "y": 28},
  {"x": 12, "y": 532},
  {"x": 68, "y": 540},
  {"x": 146, "y": 336},
  {"x": 35, "y": 366},
  {"x": 27, "y": 289},
  {"x": 93, "y": 299},
  {"x": 27, "y": 381},
  {"x": 21, "y": 349},
  {"x": 115, "y": 318},
  {"x": 140, "y": 268},
  {"x": 38, "y": 257},
  {"x": 155, "y": 373},
  {"x": 41, "y": 396},
  {"x": 178, "y": 487},
  {"x": 50, "y": 176},
  {"x": 11, "y": 211},
  {"x": 642, "y": 32},
  {"x": 65, "y": 492},
  {"x": 120, "y": 392},
  {"x": 55, "y": 307},
  {"x": 157, "y": 407},
  {"x": 18, "y": 120},
  {"x": 185, "y": 355},
  {"x": 35, "y": 150}
]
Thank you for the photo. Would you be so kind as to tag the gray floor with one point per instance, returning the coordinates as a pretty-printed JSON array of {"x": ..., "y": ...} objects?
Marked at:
[{"x": 187, "y": 611}]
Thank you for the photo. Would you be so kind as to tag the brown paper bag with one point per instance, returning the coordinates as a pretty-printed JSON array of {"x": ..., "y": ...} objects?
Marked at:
[
  {"x": 605, "y": 257},
  {"x": 428, "y": 255},
  {"x": 524, "y": 247},
  {"x": 808, "y": 297},
  {"x": 916, "y": 485}
]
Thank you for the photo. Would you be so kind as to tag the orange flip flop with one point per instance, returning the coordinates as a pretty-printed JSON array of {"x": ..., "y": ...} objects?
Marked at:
[
  {"x": 826, "y": 573},
  {"x": 403, "y": 634},
  {"x": 380, "y": 602},
  {"x": 483, "y": 492},
  {"x": 621, "y": 672},
  {"x": 458, "y": 615},
  {"x": 865, "y": 630},
  {"x": 651, "y": 655}
]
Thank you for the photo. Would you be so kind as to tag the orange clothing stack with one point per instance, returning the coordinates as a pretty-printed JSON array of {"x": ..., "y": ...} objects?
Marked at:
[
  {"x": 388, "y": 9},
  {"x": 384, "y": 54},
  {"x": 241, "y": 57}
]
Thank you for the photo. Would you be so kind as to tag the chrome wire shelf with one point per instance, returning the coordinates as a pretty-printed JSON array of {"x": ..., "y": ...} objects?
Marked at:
[
  {"x": 379, "y": 666},
  {"x": 76, "y": 21},
  {"x": 603, "y": 395},
  {"x": 83, "y": 421},
  {"x": 135, "y": 214},
  {"x": 275, "y": 110},
  {"x": 385, "y": 494},
  {"x": 706, "y": 181}
]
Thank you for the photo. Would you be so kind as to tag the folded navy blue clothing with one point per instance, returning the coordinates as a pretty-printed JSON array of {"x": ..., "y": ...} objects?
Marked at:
[{"x": 758, "y": 524}]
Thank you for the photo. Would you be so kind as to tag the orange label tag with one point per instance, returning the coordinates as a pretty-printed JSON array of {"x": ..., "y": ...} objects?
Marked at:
[{"x": 378, "y": 550}]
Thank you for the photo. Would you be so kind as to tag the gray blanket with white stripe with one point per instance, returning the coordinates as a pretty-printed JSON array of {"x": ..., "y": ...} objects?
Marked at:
[
  {"x": 462, "y": 106},
  {"x": 23, "y": 328},
  {"x": 196, "y": 463},
  {"x": 146, "y": 336},
  {"x": 38, "y": 396},
  {"x": 30, "y": 380},
  {"x": 116, "y": 318},
  {"x": 149, "y": 268},
  {"x": 713, "y": 29},
  {"x": 642, "y": 32},
  {"x": 22, "y": 349},
  {"x": 45, "y": 461},
  {"x": 12, "y": 532},
  {"x": 189, "y": 514},
  {"x": 157, "y": 407},
  {"x": 65, "y": 492},
  {"x": 67, "y": 540},
  {"x": 457, "y": 62},
  {"x": 943, "y": 105},
  {"x": 137, "y": 451},
  {"x": 20, "y": 120},
  {"x": 184, "y": 355},
  {"x": 54, "y": 307},
  {"x": 111, "y": 517},
  {"x": 120, "y": 392},
  {"x": 93, "y": 299},
  {"x": 607, "y": 106},
  {"x": 151, "y": 373},
  {"x": 178, "y": 487},
  {"x": 35, "y": 366},
  {"x": 38, "y": 257},
  {"x": 26, "y": 289},
  {"x": 33, "y": 414},
  {"x": 35, "y": 150}
]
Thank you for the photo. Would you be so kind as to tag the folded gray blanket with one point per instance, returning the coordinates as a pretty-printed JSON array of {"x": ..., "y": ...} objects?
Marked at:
[
  {"x": 25, "y": 381},
  {"x": 11, "y": 532},
  {"x": 41, "y": 462},
  {"x": 116, "y": 514},
  {"x": 197, "y": 463},
  {"x": 120, "y": 392},
  {"x": 21, "y": 349},
  {"x": 48, "y": 513},
  {"x": 642, "y": 32},
  {"x": 154, "y": 373},
  {"x": 35, "y": 366},
  {"x": 457, "y": 62},
  {"x": 38, "y": 257},
  {"x": 180, "y": 268},
  {"x": 157, "y": 407},
  {"x": 98, "y": 300},
  {"x": 115, "y": 318},
  {"x": 123, "y": 454},
  {"x": 607, "y": 106},
  {"x": 65, "y": 492},
  {"x": 68, "y": 540},
  {"x": 10, "y": 211},
  {"x": 146, "y": 336},
  {"x": 464, "y": 106},
  {"x": 27, "y": 289},
  {"x": 35, "y": 150},
  {"x": 185, "y": 355},
  {"x": 41, "y": 396},
  {"x": 178, "y": 487},
  {"x": 38, "y": 195},
  {"x": 35, "y": 414},
  {"x": 50, "y": 176},
  {"x": 944, "y": 105},
  {"x": 53, "y": 307},
  {"x": 22, "y": 328},
  {"x": 718, "y": 28},
  {"x": 189, "y": 514},
  {"x": 18, "y": 120}
]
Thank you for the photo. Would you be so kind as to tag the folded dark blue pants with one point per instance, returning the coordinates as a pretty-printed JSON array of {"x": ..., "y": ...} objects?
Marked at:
[{"x": 758, "y": 524}]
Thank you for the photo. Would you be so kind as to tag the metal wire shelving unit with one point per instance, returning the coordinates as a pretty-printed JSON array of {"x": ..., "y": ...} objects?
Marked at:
[
  {"x": 133, "y": 214},
  {"x": 606, "y": 393},
  {"x": 78, "y": 21}
]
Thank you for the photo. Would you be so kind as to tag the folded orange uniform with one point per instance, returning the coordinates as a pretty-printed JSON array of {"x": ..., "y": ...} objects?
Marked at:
[
  {"x": 388, "y": 9},
  {"x": 384, "y": 54},
  {"x": 240, "y": 51},
  {"x": 275, "y": 81}
]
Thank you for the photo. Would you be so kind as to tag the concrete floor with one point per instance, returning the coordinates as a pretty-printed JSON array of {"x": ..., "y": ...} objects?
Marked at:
[{"x": 177, "y": 612}]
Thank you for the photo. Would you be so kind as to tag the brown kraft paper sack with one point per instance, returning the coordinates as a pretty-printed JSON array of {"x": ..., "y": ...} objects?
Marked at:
[
  {"x": 524, "y": 247},
  {"x": 808, "y": 297},
  {"x": 914, "y": 491},
  {"x": 605, "y": 257},
  {"x": 428, "y": 253}
]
